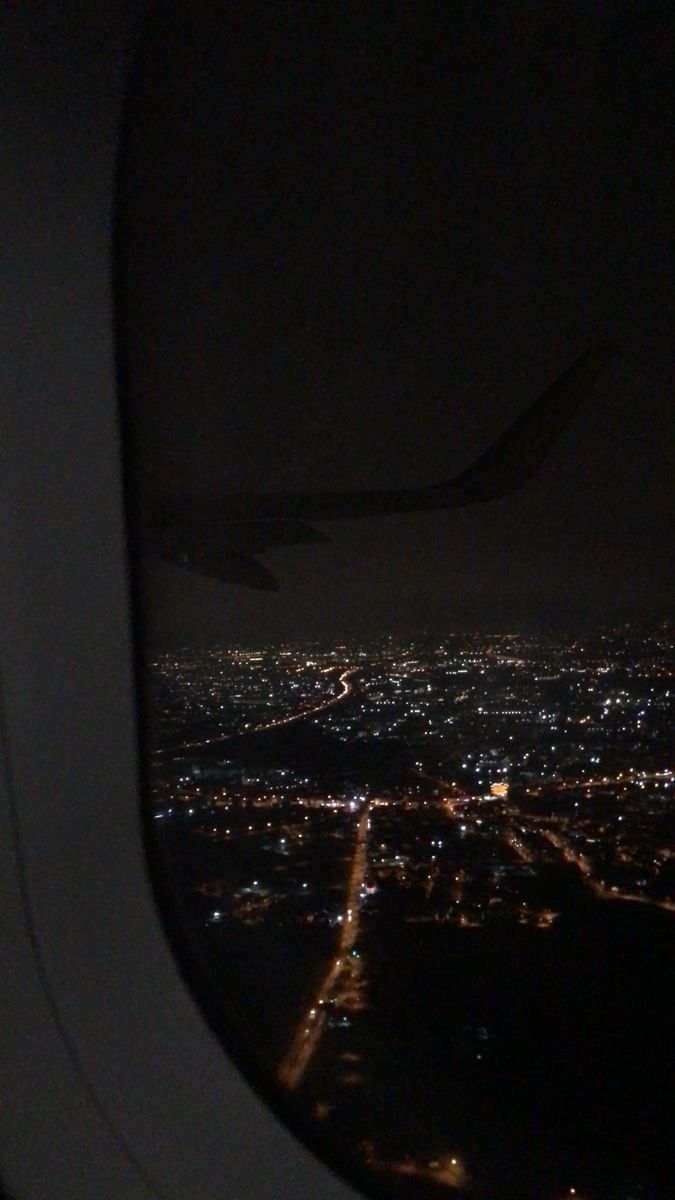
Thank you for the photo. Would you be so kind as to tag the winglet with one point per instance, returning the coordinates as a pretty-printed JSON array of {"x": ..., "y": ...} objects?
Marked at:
[{"x": 519, "y": 452}]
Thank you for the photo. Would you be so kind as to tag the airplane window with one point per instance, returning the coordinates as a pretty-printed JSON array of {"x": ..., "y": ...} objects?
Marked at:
[{"x": 392, "y": 343}]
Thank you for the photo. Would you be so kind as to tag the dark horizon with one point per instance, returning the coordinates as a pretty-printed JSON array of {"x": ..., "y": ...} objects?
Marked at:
[{"x": 541, "y": 626}]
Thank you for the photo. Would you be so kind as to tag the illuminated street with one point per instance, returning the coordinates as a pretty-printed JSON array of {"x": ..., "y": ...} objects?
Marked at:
[{"x": 344, "y": 973}]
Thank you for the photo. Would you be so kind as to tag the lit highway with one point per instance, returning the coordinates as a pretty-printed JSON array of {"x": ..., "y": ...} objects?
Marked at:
[
  {"x": 276, "y": 723},
  {"x": 342, "y": 979}
]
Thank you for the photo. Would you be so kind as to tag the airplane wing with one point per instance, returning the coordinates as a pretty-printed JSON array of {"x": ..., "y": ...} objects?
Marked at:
[{"x": 219, "y": 537}]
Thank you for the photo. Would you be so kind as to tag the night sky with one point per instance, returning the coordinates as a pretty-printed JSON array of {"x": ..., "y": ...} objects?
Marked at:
[{"x": 354, "y": 242}]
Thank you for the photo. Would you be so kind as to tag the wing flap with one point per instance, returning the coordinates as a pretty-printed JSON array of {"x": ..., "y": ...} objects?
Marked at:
[{"x": 191, "y": 536}]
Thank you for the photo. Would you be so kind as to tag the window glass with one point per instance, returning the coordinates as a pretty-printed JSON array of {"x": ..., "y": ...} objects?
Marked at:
[{"x": 399, "y": 508}]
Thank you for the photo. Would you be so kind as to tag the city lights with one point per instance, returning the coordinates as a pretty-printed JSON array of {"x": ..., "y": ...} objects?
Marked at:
[{"x": 399, "y": 798}]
